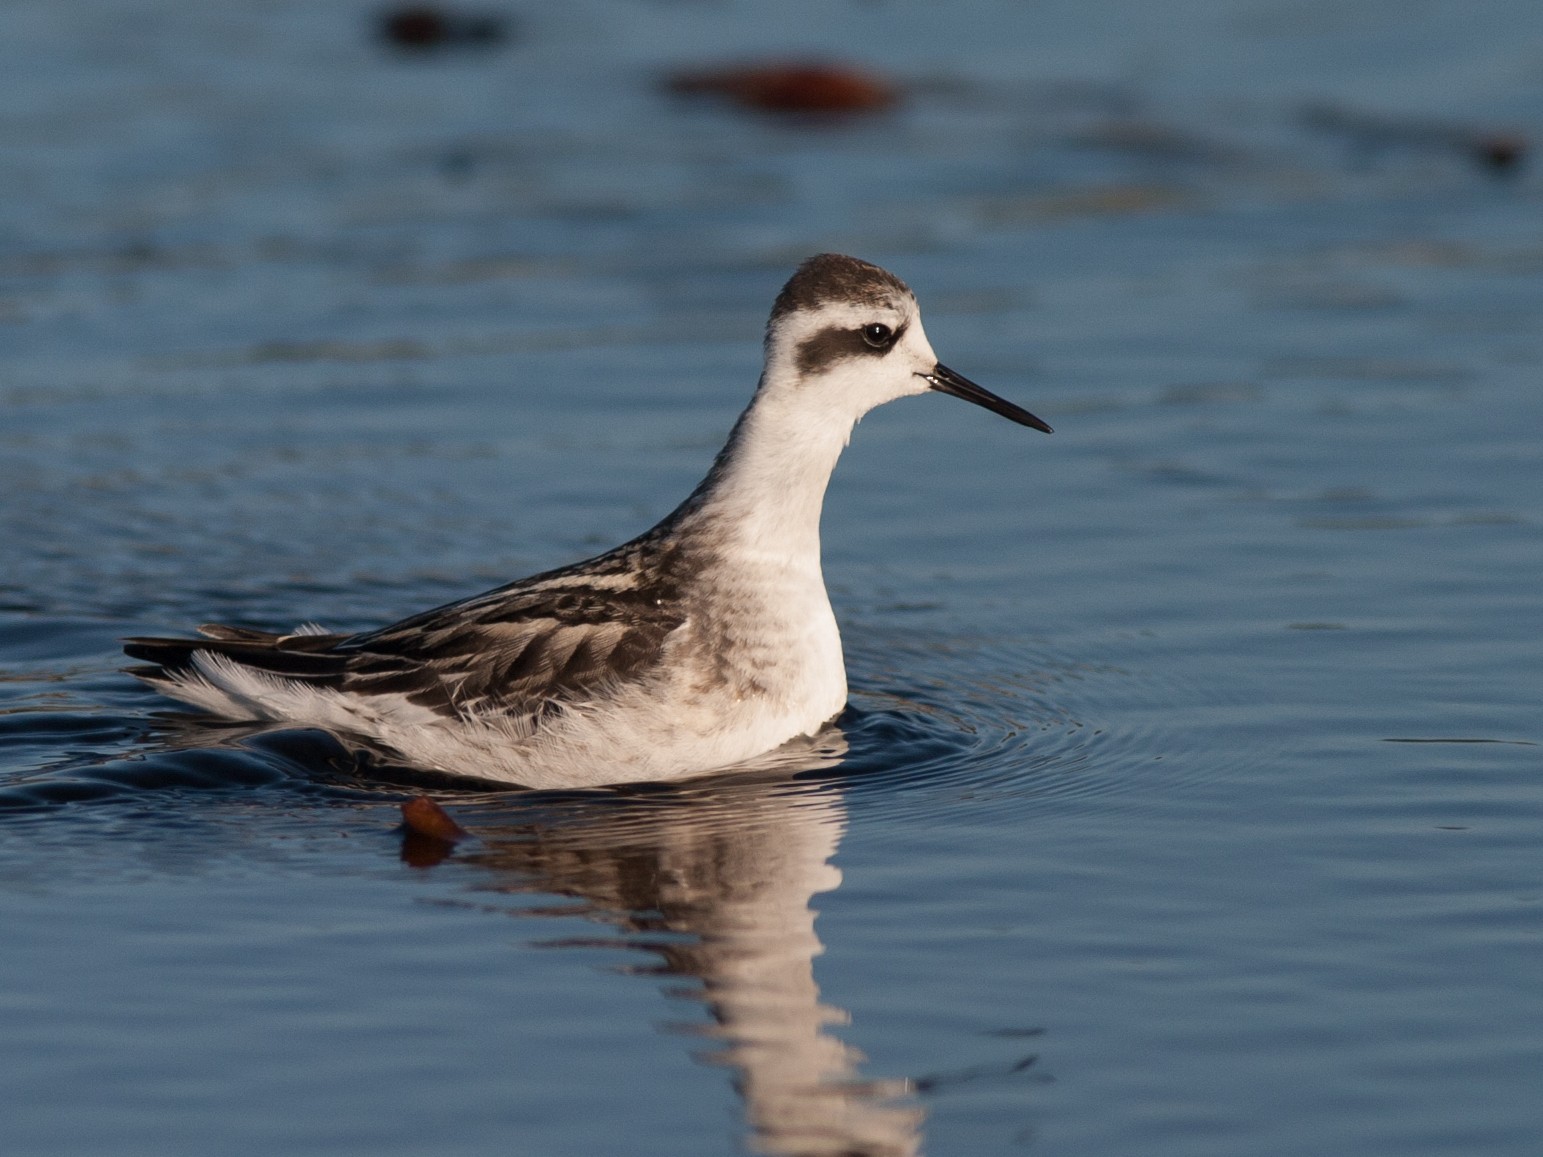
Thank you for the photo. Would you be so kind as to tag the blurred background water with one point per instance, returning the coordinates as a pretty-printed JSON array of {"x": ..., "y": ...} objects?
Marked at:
[{"x": 1190, "y": 795}]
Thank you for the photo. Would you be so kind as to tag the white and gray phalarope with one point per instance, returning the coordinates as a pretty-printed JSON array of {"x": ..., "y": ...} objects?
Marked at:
[{"x": 702, "y": 643}]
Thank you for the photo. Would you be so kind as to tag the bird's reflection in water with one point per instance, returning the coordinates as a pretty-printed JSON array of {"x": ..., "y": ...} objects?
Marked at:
[{"x": 715, "y": 879}]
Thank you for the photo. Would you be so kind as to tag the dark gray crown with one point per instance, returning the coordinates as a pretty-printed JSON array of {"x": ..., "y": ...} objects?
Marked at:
[{"x": 828, "y": 277}]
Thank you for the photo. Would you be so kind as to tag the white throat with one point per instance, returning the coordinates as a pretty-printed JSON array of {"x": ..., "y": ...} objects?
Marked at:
[{"x": 765, "y": 492}]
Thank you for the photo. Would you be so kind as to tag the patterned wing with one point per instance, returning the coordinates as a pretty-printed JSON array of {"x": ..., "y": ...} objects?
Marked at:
[{"x": 521, "y": 651}]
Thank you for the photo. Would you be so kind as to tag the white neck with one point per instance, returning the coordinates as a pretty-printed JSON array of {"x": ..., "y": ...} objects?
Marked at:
[{"x": 765, "y": 492}]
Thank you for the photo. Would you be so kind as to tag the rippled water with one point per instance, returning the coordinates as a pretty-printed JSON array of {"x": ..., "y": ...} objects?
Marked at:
[{"x": 1189, "y": 797}]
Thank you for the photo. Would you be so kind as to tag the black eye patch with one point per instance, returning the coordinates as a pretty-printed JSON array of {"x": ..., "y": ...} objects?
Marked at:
[{"x": 818, "y": 353}]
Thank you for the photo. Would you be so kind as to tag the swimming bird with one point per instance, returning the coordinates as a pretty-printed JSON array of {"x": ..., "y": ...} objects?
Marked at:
[{"x": 702, "y": 643}]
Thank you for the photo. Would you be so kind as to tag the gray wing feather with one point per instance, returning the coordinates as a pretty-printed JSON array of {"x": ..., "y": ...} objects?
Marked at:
[{"x": 522, "y": 650}]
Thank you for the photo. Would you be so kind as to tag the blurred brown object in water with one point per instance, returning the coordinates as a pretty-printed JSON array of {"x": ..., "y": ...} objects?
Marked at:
[
  {"x": 790, "y": 87},
  {"x": 427, "y": 28}
]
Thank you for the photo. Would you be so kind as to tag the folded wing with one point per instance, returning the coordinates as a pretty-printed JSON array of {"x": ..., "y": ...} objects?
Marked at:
[{"x": 520, "y": 652}]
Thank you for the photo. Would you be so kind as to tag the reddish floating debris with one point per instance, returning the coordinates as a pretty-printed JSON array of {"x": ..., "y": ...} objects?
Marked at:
[
  {"x": 429, "y": 835},
  {"x": 426, "y": 818},
  {"x": 426, "y": 28},
  {"x": 791, "y": 87},
  {"x": 1502, "y": 153}
]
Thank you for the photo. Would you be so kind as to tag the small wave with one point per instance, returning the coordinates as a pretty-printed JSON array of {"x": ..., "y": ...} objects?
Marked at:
[
  {"x": 935, "y": 718},
  {"x": 939, "y": 719}
]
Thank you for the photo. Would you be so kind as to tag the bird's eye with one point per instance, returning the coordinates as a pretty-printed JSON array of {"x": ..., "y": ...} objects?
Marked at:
[{"x": 877, "y": 334}]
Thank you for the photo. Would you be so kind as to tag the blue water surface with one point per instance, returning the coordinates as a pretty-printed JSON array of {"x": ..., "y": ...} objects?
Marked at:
[{"x": 1189, "y": 800}]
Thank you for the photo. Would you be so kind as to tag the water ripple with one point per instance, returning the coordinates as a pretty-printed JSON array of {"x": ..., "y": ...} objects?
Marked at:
[
  {"x": 942, "y": 719},
  {"x": 936, "y": 721}
]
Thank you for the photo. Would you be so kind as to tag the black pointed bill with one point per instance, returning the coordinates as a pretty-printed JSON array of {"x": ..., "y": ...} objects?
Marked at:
[{"x": 944, "y": 380}]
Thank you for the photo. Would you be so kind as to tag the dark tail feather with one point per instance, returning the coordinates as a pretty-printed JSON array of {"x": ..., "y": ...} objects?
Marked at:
[
  {"x": 236, "y": 634},
  {"x": 172, "y": 656},
  {"x": 298, "y": 641},
  {"x": 167, "y": 654}
]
